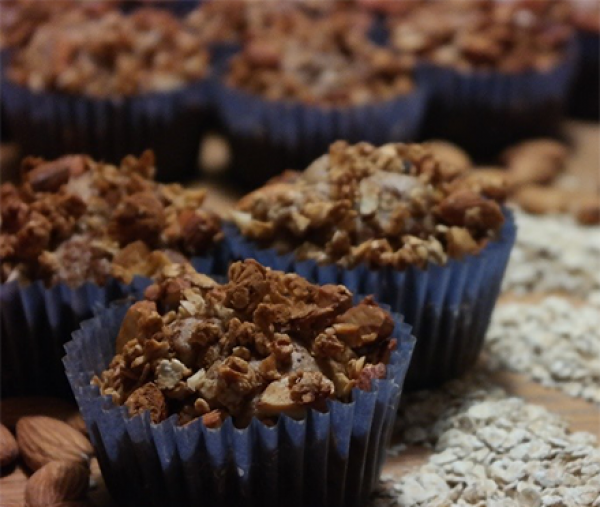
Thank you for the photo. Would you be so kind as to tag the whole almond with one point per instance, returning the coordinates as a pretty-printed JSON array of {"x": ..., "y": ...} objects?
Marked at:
[
  {"x": 8, "y": 447},
  {"x": 43, "y": 439},
  {"x": 15, "y": 408},
  {"x": 56, "y": 482},
  {"x": 542, "y": 200}
]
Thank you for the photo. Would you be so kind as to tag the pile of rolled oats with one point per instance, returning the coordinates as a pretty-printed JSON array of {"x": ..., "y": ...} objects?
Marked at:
[
  {"x": 554, "y": 254},
  {"x": 554, "y": 342},
  {"x": 492, "y": 450}
]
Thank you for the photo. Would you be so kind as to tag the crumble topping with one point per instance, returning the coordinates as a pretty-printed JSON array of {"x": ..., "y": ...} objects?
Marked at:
[
  {"x": 509, "y": 36},
  {"x": 395, "y": 205},
  {"x": 263, "y": 344},
  {"x": 74, "y": 219},
  {"x": 114, "y": 54},
  {"x": 326, "y": 61}
]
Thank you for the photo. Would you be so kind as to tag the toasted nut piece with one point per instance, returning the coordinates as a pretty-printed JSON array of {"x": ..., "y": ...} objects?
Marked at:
[
  {"x": 277, "y": 399},
  {"x": 542, "y": 200},
  {"x": 9, "y": 449},
  {"x": 43, "y": 439},
  {"x": 56, "y": 482}
]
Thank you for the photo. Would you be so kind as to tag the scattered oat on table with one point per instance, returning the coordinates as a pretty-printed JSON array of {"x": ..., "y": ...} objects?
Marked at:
[
  {"x": 553, "y": 341},
  {"x": 492, "y": 450},
  {"x": 554, "y": 253}
]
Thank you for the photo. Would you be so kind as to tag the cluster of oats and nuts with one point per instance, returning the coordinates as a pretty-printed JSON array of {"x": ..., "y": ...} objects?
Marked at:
[
  {"x": 115, "y": 54},
  {"x": 263, "y": 344},
  {"x": 395, "y": 205},
  {"x": 325, "y": 61},
  {"x": 73, "y": 219},
  {"x": 509, "y": 36}
]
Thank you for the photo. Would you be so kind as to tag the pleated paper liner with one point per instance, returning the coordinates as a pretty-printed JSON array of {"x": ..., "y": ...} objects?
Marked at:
[
  {"x": 269, "y": 136},
  {"x": 449, "y": 307},
  {"x": 326, "y": 459},
  {"x": 37, "y": 321},
  {"x": 171, "y": 123},
  {"x": 486, "y": 111}
]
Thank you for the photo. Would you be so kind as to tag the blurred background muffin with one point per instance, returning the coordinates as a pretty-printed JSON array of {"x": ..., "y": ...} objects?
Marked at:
[
  {"x": 499, "y": 71},
  {"x": 110, "y": 85},
  {"x": 307, "y": 82}
]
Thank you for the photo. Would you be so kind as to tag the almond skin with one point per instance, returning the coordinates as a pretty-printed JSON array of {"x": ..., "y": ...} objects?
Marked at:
[
  {"x": 43, "y": 439},
  {"x": 9, "y": 449},
  {"x": 55, "y": 483}
]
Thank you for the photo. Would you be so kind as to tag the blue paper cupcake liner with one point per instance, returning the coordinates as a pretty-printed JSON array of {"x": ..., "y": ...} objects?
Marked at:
[
  {"x": 177, "y": 7},
  {"x": 484, "y": 111},
  {"x": 326, "y": 459},
  {"x": 269, "y": 136},
  {"x": 449, "y": 307},
  {"x": 37, "y": 321},
  {"x": 54, "y": 124}
]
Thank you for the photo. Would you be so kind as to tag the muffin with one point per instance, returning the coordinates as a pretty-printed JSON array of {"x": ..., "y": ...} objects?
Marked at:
[
  {"x": 260, "y": 390},
  {"x": 584, "y": 101},
  {"x": 420, "y": 234},
  {"x": 109, "y": 86},
  {"x": 499, "y": 70},
  {"x": 75, "y": 233},
  {"x": 290, "y": 93}
]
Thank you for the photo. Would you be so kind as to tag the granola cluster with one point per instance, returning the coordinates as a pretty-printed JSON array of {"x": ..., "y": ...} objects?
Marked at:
[
  {"x": 326, "y": 61},
  {"x": 395, "y": 205},
  {"x": 21, "y": 18},
  {"x": 147, "y": 51},
  {"x": 510, "y": 36},
  {"x": 73, "y": 219},
  {"x": 264, "y": 344}
]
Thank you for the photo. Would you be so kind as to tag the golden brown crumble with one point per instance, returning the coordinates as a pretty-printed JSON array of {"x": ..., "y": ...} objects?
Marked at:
[
  {"x": 510, "y": 36},
  {"x": 114, "y": 54},
  {"x": 395, "y": 205},
  {"x": 73, "y": 219},
  {"x": 327, "y": 61},
  {"x": 264, "y": 344}
]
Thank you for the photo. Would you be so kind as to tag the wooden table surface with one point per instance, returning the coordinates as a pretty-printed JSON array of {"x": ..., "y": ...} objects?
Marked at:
[{"x": 581, "y": 415}]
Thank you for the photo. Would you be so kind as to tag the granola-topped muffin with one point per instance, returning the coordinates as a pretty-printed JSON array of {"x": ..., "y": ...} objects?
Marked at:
[
  {"x": 264, "y": 344},
  {"x": 74, "y": 220},
  {"x": 423, "y": 235},
  {"x": 266, "y": 378},
  {"x": 110, "y": 85},
  {"x": 113, "y": 55},
  {"x": 471, "y": 35},
  {"x": 394, "y": 205},
  {"x": 288, "y": 94},
  {"x": 327, "y": 63},
  {"x": 77, "y": 235},
  {"x": 499, "y": 71}
]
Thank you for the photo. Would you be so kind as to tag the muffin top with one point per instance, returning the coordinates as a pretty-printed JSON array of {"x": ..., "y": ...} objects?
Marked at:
[
  {"x": 263, "y": 344},
  {"x": 21, "y": 18},
  {"x": 395, "y": 205},
  {"x": 325, "y": 61},
  {"x": 115, "y": 54},
  {"x": 509, "y": 35},
  {"x": 74, "y": 219}
]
